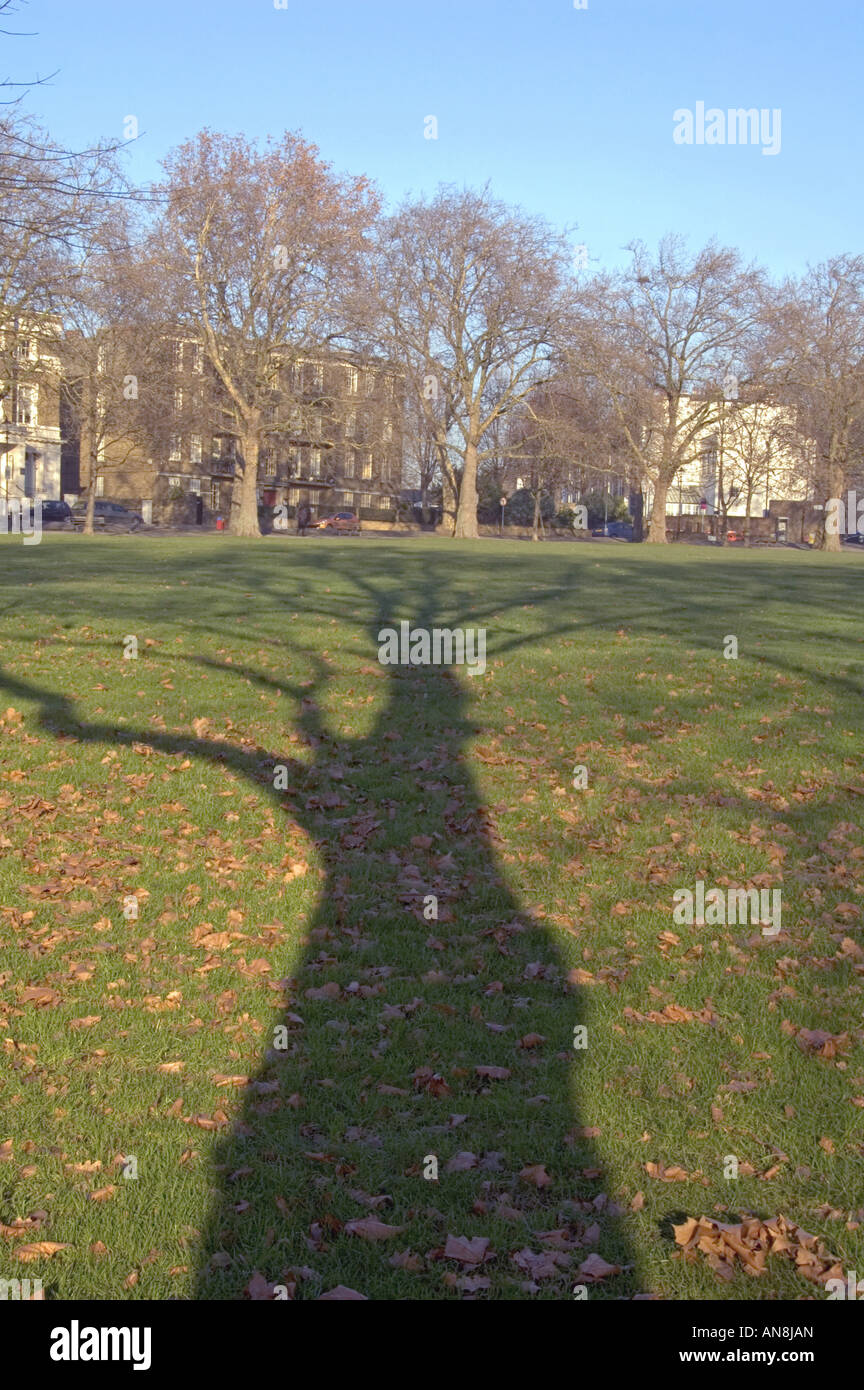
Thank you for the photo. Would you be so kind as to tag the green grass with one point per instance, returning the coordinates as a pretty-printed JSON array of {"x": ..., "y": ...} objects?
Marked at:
[{"x": 155, "y": 777}]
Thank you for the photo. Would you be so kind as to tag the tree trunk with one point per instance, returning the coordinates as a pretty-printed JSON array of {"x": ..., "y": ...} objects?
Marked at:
[
  {"x": 657, "y": 521},
  {"x": 825, "y": 540},
  {"x": 466, "y": 512},
  {"x": 724, "y": 524},
  {"x": 244, "y": 500},
  {"x": 90, "y": 514},
  {"x": 535, "y": 531},
  {"x": 449, "y": 500},
  {"x": 747, "y": 520},
  {"x": 449, "y": 487},
  {"x": 637, "y": 510}
]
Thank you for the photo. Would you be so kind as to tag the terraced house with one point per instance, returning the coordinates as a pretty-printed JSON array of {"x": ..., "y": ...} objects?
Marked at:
[
  {"x": 333, "y": 438},
  {"x": 30, "y": 440}
]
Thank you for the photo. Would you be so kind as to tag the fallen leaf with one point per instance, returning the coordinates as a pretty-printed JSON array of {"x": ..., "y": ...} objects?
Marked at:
[
  {"x": 369, "y": 1228},
  {"x": 471, "y": 1252},
  {"x": 536, "y": 1175},
  {"x": 41, "y": 1249}
]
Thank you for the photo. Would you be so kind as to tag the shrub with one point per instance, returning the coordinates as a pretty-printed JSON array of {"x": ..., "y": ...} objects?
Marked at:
[
  {"x": 520, "y": 508},
  {"x": 616, "y": 508}
]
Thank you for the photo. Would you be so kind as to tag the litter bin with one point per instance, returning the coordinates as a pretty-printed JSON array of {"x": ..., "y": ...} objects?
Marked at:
[{"x": 220, "y": 523}]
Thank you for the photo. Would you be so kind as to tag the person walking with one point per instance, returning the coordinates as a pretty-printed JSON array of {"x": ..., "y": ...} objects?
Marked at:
[{"x": 304, "y": 516}]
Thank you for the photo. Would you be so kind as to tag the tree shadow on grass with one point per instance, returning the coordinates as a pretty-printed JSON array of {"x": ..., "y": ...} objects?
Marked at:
[
  {"x": 428, "y": 1021},
  {"x": 338, "y": 1125}
]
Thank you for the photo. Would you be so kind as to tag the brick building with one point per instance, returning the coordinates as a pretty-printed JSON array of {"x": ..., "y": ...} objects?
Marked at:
[{"x": 333, "y": 439}]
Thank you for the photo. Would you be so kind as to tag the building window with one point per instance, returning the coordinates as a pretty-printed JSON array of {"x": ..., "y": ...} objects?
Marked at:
[
  {"x": 195, "y": 486},
  {"x": 315, "y": 425},
  {"x": 175, "y": 482},
  {"x": 25, "y": 405},
  {"x": 367, "y": 464},
  {"x": 293, "y": 496},
  {"x": 22, "y": 351},
  {"x": 100, "y": 484},
  {"x": 388, "y": 430},
  {"x": 175, "y": 454},
  {"x": 214, "y": 496},
  {"x": 195, "y": 448},
  {"x": 315, "y": 464},
  {"x": 349, "y": 463},
  {"x": 365, "y": 499},
  {"x": 192, "y": 357},
  {"x": 317, "y": 376},
  {"x": 353, "y": 381},
  {"x": 350, "y": 424},
  {"x": 223, "y": 446},
  {"x": 178, "y": 399}
]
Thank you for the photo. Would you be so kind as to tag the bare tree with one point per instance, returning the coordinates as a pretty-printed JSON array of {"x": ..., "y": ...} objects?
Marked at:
[
  {"x": 657, "y": 337},
  {"x": 264, "y": 254},
  {"x": 762, "y": 449},
  {"x": 51, "y": 203},
  {"x": 115, "y": 352},
  {"x": 7, "y": 9},
  {"x": 421, "y": 454},
  {"x": 817, "y": 329},
  {"x": 470, "y": 296},
  {"x": 574, "y": 437}
]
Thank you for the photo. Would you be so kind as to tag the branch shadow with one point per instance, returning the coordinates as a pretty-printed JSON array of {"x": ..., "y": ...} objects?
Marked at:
[{"x": 426, "y": 979}]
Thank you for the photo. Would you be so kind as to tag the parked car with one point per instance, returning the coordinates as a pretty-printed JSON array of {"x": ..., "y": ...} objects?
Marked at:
[
  {"x": 107, "y": 513},
  {"x": 619, "y": 530},
  {"x": 854, "y": 538},
  {"x": 56, "y": 512},
  {"x": 346, "y": 522}
]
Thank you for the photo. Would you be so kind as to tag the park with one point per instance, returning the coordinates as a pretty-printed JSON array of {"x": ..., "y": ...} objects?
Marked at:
[{"x": 282, "y": 1038}]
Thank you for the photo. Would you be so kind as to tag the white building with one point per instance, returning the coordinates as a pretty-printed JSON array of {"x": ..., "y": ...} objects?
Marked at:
[{"x": 29, "y": 412}]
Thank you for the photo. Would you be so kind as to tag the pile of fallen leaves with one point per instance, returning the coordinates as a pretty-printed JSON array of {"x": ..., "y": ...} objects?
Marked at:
[{"x": 751, "y": 1242}]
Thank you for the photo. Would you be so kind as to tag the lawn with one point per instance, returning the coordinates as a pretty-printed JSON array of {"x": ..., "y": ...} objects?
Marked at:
[{"x": 235, "y": 1033}]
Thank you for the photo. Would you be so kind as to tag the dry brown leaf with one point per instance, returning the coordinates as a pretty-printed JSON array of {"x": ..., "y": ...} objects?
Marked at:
[
  {"x": 369, "y": 1228},
  {"x": 39, "y": 1250},
  {"x": 596, "y": 1268},
  {"x": 470, "y": 1252},
  {"x": 536, "y": 1175}
]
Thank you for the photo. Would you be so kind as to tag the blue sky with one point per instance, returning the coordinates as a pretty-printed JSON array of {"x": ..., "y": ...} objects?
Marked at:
[{"x": 567, "y": 112}]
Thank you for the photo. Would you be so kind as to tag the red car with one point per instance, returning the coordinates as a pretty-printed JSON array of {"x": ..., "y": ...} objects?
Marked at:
[{"x": 346, "y": 522}]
